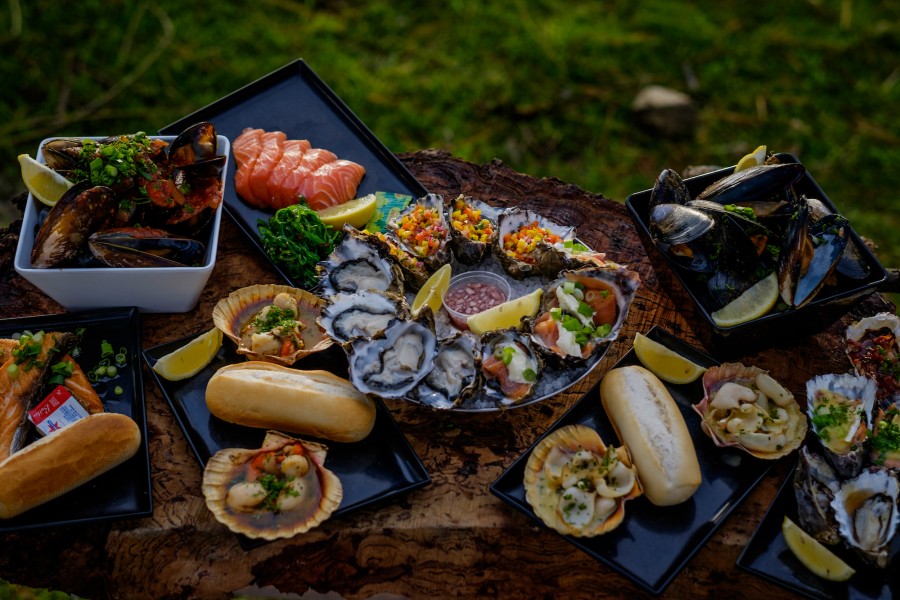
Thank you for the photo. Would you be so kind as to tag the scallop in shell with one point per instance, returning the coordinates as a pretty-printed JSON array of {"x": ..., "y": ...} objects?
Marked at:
[
  {"x": 421, "y": 229},
  {"x": 866, "y": 511},
  {"x": 520, "y": 233},
  {"x": 578, "y": 485},
  {"x": 392, "y": 365},
  {"x": 583, "y": 311},
  {"x": 840, "y": 411},
  {"x": 745, "y": 407},
  {"x": 510, "y": 366},
  {"x": 275, "y": 323},
  {"x": 355, "y": 265},
  {"x": 276, "y": 491},
  {"x": 364, "y": 314}
]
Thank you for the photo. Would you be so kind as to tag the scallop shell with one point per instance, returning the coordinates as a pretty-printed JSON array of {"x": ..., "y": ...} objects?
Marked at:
[
  {"x": 226, "y": 468},
  {"x": 574, "y": 461},
  {"x": 857, "y": 394},
  {"x": 231, "y": 314},
  {"x": 748, "y": 424}
]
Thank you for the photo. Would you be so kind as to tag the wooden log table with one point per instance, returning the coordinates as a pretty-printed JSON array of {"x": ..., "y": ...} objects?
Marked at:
[{"x": 450, "y": 538}]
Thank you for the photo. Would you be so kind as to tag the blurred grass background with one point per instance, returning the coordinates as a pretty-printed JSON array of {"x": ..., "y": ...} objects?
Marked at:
[{"x": 542, "y": 85}]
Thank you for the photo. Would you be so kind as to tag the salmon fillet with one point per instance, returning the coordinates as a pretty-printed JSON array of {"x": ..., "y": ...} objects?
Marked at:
[{"x": 273, "y": 172}]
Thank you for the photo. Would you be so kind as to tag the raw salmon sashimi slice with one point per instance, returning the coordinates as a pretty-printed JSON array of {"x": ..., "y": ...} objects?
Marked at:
[
  {"x": 292, "y": 155},
  {"x": 332, "y": 184},
  {"x": 293, "y": 185},
  {"x": 246, "y": 149},
  {"x": 269, "y": 155}
]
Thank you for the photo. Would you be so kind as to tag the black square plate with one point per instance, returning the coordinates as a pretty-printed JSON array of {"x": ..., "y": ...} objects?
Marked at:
[
  {"x": 374, "y": 470},
  {"x": 124, "y": 491},
  {"x": 654, "y": 543},
  {"x": 294, "y": 100},
  {"x": 767, "y": 556}
]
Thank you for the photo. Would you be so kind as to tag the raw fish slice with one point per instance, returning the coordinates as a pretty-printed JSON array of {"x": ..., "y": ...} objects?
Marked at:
[
  {"x": 312, "y": 160},
  {"x": 332, "y": 184},
  {"x": 291, "y": 159},
  {"x": 19, "y": 394},
  {"x": 269, "y": 155},
  {"x": 246, "y": 149}
]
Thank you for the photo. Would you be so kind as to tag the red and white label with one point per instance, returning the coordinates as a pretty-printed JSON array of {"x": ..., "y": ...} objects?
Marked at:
[{"x": 56, "y": 411}]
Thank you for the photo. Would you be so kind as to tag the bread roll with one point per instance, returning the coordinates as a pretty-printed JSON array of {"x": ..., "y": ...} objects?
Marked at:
[
  {"x": 270, "y": 396},
  {"x": 64, "y": 460},
  {"x": 649, "y": 424}
]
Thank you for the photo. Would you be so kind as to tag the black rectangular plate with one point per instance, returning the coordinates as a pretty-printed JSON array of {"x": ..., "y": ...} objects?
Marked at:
[
  {"x": 124, "y": 491},
  {"x": 376, "y": 469},
  {"x": 295, "y": 100},
  {"x": 771, "y": 329},
  {"x": 767, "y": 556},
  {"x": 654, "y": 543}
]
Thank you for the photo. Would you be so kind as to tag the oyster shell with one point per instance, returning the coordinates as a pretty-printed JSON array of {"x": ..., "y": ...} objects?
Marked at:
[
  {"x": 510, "y": 366},
  {"x": 275, "y": 323},
  {"x": 873, "y": 345},
  {"x": 424, "y": 216},
  {"x": 840, "y": 411},
  {"x": 473, "y": 228},
  {"x": 815, "y": 484},
  {"x": 578, "y": 485},
  {"x": 885, "y": 439},
  {"x": 365, "y": 314},
  {"x": 394, "y": 364},
  {"x": 455, "y": 375},
  {"x": 415, "y": 271},
  {"x": 744, "y": 407},
  {"x": 584, "y": 310},
  {"x": 524, "y": 236},
  {"x": 356, "y": 265},
  {"x": 866, "y": 511},
  {"x": 240, "y": 498}
]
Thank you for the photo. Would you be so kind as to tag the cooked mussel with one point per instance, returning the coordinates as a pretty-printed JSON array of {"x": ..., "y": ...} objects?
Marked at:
[
  {"x": 754, "y": 183},
  {"x": 681, "y": 232},
  {"x": 669, "y": 189},
  {"x": 144, "y": 247},
  {"x": 194, "y": 151},
  {"x": 64, "y": 234}
]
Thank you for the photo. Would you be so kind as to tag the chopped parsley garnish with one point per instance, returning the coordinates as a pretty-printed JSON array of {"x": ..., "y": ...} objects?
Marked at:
[
  {"x": 275, "y": 317},
  {"x": 274, "y": 486}
]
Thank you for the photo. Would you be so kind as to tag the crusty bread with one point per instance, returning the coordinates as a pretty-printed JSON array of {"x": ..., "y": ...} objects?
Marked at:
[
  {"x": 64, "y": 460},
  {"x": 649, "y": 424},
  {"x": 270, "y": 396}
]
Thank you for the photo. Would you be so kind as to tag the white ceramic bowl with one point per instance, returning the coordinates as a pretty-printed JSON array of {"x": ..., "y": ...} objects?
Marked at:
[{"x": 163, "y": 289}]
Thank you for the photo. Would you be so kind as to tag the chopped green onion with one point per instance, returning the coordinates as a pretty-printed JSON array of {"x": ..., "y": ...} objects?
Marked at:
[
  {"x": 100, "y": 371},
  {"x": 507, "y": 354},
  {"x": 111, "y": 371},
  {"x": 529, "y": 374},
  {"x": 12, "y": 370},
  {"x": 585, "y": 309},
  {"x": 603, "y": 330},
  {"x": 106, "y": 348},
  {"x": 118, "y": 391}
]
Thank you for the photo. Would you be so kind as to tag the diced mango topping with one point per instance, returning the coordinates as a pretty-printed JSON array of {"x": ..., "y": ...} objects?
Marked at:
[
  {"x": 468, "y": 221},
  {"x": 520, "y": 244}
]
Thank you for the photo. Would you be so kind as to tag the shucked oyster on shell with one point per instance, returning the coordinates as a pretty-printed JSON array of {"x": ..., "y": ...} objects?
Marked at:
[
  {"x": 355, "y": 265},
  {"x": 246, "y": 315},
  {"x": 578, "y": 485},
  {"x": 523, "y": 237},
  {"x": 361, "y": 315},
  {"x": 873, "y": 346},
  {"x": 393, "y": 364},
  {"x": 254, "y": 493},
  {"x": 815, "y": 484},
  {"x": 422, "y": 230},
  {"x": 840, "y": 409},
  {"x": 745, "y": 407},
  {"x": 866, "y": 511},
  {"x": 510, "y": 366},
  {"x": 455, "y": 375}
]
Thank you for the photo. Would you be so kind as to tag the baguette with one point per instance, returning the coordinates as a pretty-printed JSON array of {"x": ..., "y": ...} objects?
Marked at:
[
  {"x": 270, "y": 396},
  {"x": 62, "y": 461},
  {"x": 649, "y": 424}
]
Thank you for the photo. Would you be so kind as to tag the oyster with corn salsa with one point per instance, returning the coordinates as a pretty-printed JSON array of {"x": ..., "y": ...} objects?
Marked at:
[{"x": 473, "y": 228}]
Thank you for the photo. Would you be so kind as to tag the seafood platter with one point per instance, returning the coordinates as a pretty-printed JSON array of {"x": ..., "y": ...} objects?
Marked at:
[
  {"x": 141, "y": 222},
  {"x": 369, "y": 279},
  {"x": 731, "y": 462},
  {"x": 844, "y": 490},
  {"x": 713, "y": 236}
]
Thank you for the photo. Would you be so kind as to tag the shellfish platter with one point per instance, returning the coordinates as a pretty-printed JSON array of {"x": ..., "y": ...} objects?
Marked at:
[
  {"x": 654, "y": 543},
  {"x": 768, "y": 556},
  {"x": 380, "y": 467},
  {"x": 294, "y": 100},
  {"x": 682, "y": 225},
  {"x": 125, "y": 491}
]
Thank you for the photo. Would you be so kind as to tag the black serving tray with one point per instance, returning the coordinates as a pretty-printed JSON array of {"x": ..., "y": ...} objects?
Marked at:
[
  {"x": 771, "y": 329},
  {"x": 124, "y": 491},
  {"x": 654, "y": 543},
  {"x": 767, "y": 556},
  {"x": 377, "y": 469},
  {"x": 295, "y": 100}
]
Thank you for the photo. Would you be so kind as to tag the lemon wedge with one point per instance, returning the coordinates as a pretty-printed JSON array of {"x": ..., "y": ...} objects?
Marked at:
[
  {"x": 432, "y": 293},
  {"x": 190, "y": 359},
  {"x": 508, "y": 314},
  {"x": 355, "y": 212},
  {"x": 45, "y": 184},
  {"x": 755, "y": 158},
  {"x": 665, "y": 363},
  {"x": 752, "y": 304},
  {"x": 814, "y": 556}
]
